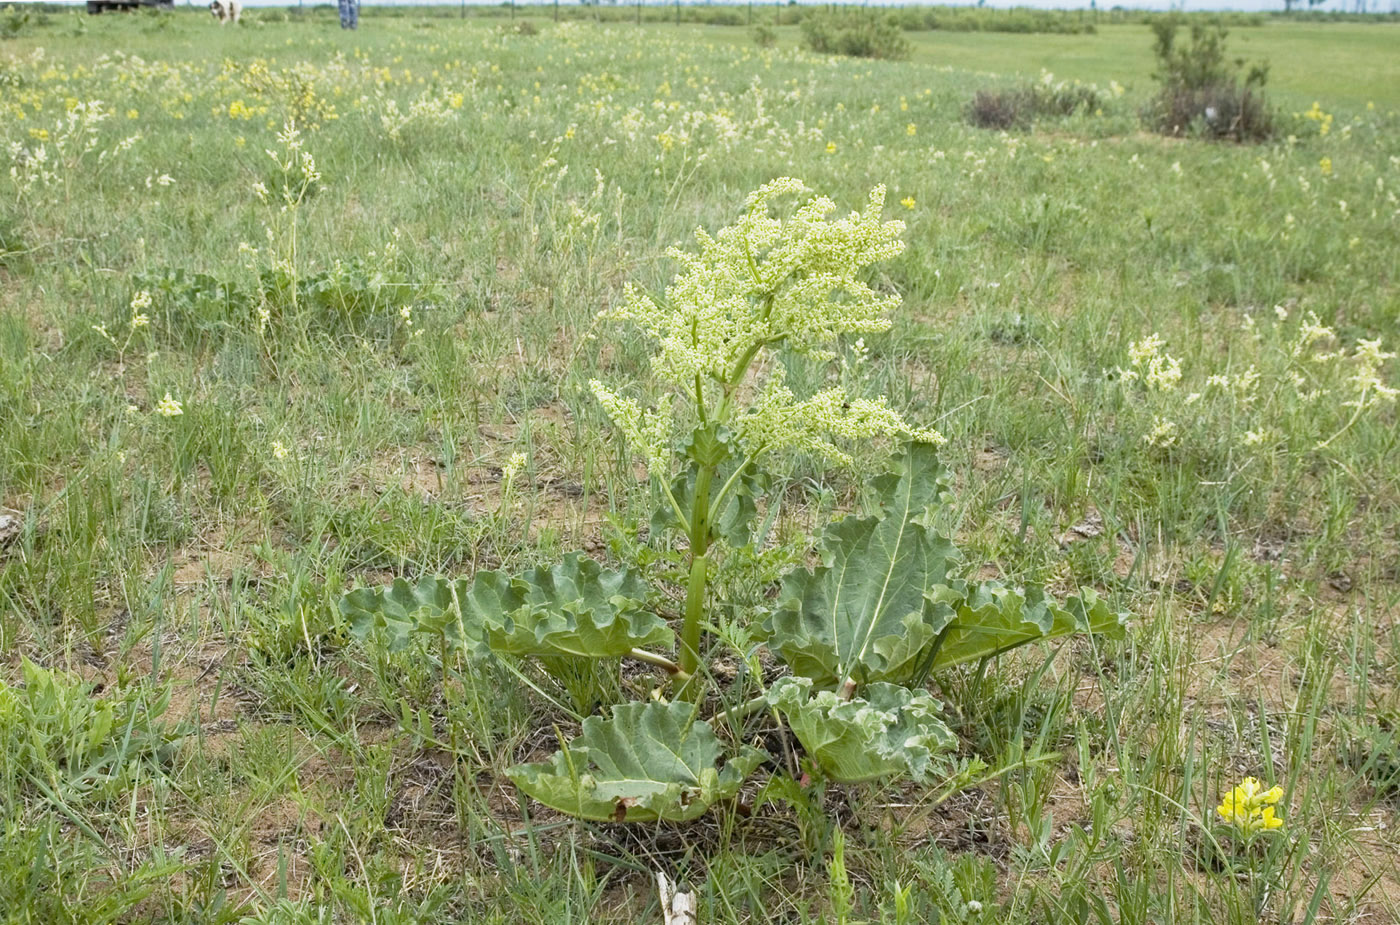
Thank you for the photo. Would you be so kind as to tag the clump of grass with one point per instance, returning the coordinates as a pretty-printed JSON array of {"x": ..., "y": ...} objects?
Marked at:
[{"x": 1202, "y": 93}]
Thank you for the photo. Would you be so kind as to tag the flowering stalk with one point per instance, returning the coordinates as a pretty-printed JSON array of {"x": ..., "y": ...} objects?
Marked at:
[
  {"x": 761, "y": 283},
  {"x": 1250, "y": 811}
]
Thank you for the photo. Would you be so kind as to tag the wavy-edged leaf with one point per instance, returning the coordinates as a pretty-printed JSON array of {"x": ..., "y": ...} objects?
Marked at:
[
  {"x": 401, "y": 609},
  {"x": 575, "y": 607},
  {"x": 889, "y": 730},
  {"x": 648, "y": 761},
  {"x": 863, "y": 613},
  {"x": 572, "y": 608},
  {"x": 988, "y": 618}
]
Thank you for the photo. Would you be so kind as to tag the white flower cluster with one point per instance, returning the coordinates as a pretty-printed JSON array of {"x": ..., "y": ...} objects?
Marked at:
[
  {"x": 1159, "y": 369},
  {"x": 766, "y": 281},
  {"x": 762, "y": 283},
  {"x": 779, "y": 420},
  {"x": 649, "y": 431},
  {"x": 1294, "y": 363}
]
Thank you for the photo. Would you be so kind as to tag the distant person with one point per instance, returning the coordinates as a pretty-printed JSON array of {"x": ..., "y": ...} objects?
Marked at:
[{"x": 349, "y": 14}]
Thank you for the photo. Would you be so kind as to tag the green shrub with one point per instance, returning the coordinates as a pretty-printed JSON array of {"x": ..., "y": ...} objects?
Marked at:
[
  {"x": 981, "y": 19},
  {"x": 1202, "y": 91},
  {"x": 857, "y": 33},
  {"x": 13, "y": 22}
]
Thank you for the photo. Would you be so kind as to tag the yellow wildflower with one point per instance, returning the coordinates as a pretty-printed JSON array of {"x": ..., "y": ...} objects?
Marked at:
[
  {"x": 907, "y": 202},
  {"x": 1250, "y": 808}
]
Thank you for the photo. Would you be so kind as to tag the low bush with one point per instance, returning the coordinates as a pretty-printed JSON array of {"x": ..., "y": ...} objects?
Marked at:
[
  {"x": 13, "y": 22},
  {"x": 1226, "y": 111},
  {"x": 857, "y": 33},
  {"x": 1020, "y": 107}
]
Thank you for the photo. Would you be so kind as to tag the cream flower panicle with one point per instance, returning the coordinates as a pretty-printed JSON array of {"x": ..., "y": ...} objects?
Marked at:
[
  {"x": 648, "y": 431},
  {"x": 794, "y": 282},
  {"x": 1161, "y": 370},
  {"x": 778, "y": 420},
  {"x": 765, "y": 281}
]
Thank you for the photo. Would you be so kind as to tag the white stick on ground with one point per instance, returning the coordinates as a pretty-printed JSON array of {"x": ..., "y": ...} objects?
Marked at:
[{"x": 677, "y": 905}]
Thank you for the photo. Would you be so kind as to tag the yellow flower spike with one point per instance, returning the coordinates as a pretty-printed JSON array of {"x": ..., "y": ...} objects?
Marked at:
[{"x": 1250, "y": 808}]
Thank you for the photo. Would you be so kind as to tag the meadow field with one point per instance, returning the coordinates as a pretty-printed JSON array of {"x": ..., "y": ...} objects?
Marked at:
[{"x": 288, "y": 313}]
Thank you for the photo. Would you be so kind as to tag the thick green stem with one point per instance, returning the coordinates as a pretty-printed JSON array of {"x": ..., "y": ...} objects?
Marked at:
[
  {"x": 690, "y": 629},
  {"x": 698, "y": 527},
  {"x": 695, "y": 586}
]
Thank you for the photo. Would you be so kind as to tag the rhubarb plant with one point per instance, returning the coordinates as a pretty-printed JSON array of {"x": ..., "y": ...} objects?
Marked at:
[{"x": 861, "y": 632}]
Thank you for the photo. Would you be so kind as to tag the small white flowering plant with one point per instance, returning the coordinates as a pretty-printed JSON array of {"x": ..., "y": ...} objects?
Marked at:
[
  {"x": 859, "y": 633},
  {"x": 1291, "y": 387}
]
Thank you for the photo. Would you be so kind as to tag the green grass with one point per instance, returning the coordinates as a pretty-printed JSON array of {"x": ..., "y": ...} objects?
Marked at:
[
  {"x": 1301, "y": 57},
  {"x": 257, "y": 762}
]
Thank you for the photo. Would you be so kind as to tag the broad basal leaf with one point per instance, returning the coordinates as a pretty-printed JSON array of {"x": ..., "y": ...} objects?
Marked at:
[
  {"x": 573, "y": 608},
  {"x": 988, "y": 618},
  {"x": 401, "y": 609},
  {"x": 888, "y": 730},
  {"x": 863, "y": 613},
  {"x": 649, "y": 761}
]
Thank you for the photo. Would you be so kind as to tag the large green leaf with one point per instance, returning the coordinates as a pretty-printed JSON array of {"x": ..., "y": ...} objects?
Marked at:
[
  {"x": 649, "y": 761},
  {"x": 889, "y": 730},
  {"x": 572, "y": 608},
  {"x": 402, "y": 609},
  {"x": 863, "y": 613},
  {"x": 988, "y": 618},
  {"x": 881, "y": 607}
]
